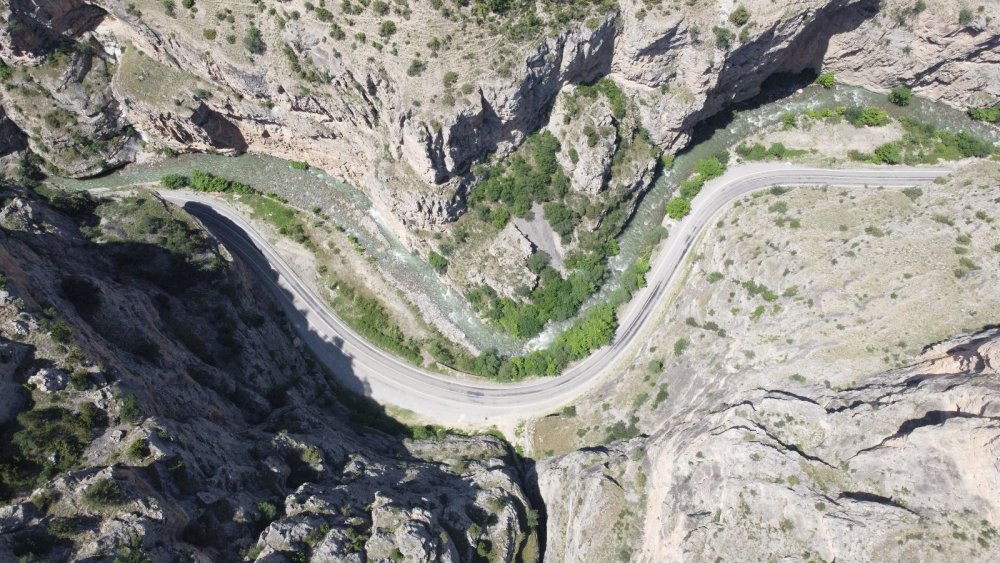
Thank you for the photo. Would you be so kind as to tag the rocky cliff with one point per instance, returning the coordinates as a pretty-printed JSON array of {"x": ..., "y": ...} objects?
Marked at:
[
  {"x": 900, "y": 466},
  {"x": 403, "y": 99},
  {"x": 155, "y": 405}
]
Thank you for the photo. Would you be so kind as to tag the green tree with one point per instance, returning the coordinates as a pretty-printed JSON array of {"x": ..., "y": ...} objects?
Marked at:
[
  {"x": 678, "y": 207},
  {"x": 901, "y": 96},
  {"x": 888, "y": 153},
  {"x": 825, "y": 80},
  {"x": 538, "y": 261},
  {"x": 709, "y": 168}
]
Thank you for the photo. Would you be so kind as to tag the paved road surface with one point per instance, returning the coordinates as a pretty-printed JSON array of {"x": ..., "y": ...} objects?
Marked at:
[{"x": 474, "y": 402}]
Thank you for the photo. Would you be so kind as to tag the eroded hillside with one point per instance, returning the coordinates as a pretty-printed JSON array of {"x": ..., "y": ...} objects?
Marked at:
[{"x": 155, "y": 404}]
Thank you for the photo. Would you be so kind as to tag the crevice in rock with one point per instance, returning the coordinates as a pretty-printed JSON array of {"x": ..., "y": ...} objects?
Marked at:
[
  {"x": 781, "y": 395},
  {"x": 727, "y": 407},
  {"x": 930, "y": 418},
  {"x": 862, "y": 496},
  {"x": 782, "y": 446},
  {"x": 850, "y": 406},
  {"x": 934, "y": 69}
]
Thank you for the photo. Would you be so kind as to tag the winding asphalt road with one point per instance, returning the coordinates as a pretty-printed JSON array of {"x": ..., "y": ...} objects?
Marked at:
[{"x": 475, "y": 402}]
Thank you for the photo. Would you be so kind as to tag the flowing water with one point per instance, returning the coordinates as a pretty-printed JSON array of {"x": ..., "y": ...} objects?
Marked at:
[{"x": 349, "y": 207}]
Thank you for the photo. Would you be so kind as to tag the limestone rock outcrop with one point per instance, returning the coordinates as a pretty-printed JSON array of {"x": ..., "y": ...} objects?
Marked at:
[
  {"x": 880, "y": 470},
  {"x": 407, "y": 127}
]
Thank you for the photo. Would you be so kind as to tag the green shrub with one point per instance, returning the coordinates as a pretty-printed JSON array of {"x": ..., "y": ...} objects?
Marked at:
[
  {"x": 205, "y": 182},
  {"x": 901, "y": 96},
  {"x": 47, "y": 442},
  {"x": 268, "y": 511},
  {"x": 438, "y": 262},
  {"x": 450, "y": 79},
  {"x": 174, "y": 181},
  {"x": 661, "y": 395},
  {"x": 416, "y": 67},
  {"x": 298, "y": 165},
  {"x": 739, "y": 16},
  {"x": 102, "y": 493},
  {"x": 138, "y": 449},
  {"x": 678, "y": 207},
  {"x": 690, "y": 187},
  {"x": 866, "y": 116},
  {"x": 709, "y": 168},
  {"x": 655, "y": 366},
  {"x": 538, "y": 261},
  {"x": 825, "y": 80},
  {"x": 723, "y": 37},
  {"x": 756, "y": 151},
  {"x": 253, "y": 41},
  {"x": 965, "y": 16},
  {"x": 387, "y": 28},
  {"x": 129, "y": 413},
  {"x": 209, "y": 34},
  {"x": 561, "y": 218},
  {"x": 680, "y": 346},
  {"x": 606, "y": 86},
  {"x": 888, "y": 153},
  {"x": 620, "y": 431},
  {"x": 170, "y": 7},
  {"x": 988, "y": 114}
]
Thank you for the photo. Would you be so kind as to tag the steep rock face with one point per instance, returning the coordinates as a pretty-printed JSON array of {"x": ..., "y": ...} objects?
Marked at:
[
  {"x": 685, "y": 75},
  {"x": 930, "y": 50},
  {"x": 408, "y": 134},
  {"x": 35, "y": 26},
  {"x": 209, "y": 433},
  {"x": 587, "y": 144},
  {"x": 887, "y": 469}
]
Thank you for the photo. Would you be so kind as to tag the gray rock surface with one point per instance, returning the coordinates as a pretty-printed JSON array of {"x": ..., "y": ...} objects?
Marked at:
[
  {"x": 394, "y": 135},
  {"x": 882, "y": 470},
  {"x": 49, "y": 380}
]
